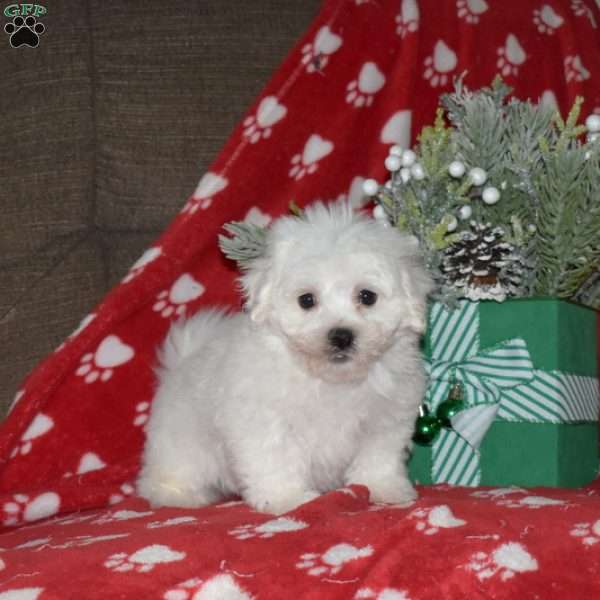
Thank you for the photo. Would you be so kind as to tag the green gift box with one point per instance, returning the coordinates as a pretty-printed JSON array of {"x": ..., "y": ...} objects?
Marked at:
[{"x": 527, "y": 370}]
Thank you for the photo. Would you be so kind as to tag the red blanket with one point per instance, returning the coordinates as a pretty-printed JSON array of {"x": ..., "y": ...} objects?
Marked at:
[{"x": 366, "y": 75}]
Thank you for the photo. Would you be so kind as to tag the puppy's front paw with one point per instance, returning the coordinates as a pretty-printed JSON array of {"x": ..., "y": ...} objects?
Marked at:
[
  {"x": 279, "y": 502},
  {"x": 394, "y": 490}
]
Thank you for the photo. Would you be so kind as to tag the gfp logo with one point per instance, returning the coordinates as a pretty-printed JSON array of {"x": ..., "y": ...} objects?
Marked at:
[{"x": 24, "y": 29}]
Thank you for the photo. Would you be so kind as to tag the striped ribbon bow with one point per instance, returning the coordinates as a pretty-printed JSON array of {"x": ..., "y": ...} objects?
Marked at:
[{"x": 497, "y": 382}]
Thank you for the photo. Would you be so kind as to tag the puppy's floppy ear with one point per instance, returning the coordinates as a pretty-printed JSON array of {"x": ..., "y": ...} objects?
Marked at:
[
  {"x": 417, "y": 284},
  {"x": 256, "y": 286}
]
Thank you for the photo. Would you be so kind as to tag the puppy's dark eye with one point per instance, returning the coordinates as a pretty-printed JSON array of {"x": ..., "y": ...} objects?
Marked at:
[
  {"x": 367, "y": 297},
  {"x": 307, "y": 301}
]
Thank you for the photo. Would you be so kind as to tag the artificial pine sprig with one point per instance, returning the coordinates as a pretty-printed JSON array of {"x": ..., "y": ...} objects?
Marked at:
[{"x": 518, "y": 166}]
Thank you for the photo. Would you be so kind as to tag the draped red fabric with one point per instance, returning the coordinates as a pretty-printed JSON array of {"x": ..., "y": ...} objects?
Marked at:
[{"x": 366, "y": 75}]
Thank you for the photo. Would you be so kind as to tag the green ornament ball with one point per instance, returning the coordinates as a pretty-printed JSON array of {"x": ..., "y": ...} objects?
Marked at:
[
  {"x": 427, "y": 428},
  {"x": 448, "y": 409}
]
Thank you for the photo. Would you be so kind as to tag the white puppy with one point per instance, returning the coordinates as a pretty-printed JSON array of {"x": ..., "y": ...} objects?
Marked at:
[{"x": 316, "y": 386}]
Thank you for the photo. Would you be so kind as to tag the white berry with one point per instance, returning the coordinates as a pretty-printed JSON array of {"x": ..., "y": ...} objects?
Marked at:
[
  {"x": 452, "y": 224},
  {"x": 370, "y": 187},
  {"x": 379, "y": 213},
  {"x": 478, "y": 176},
  {"x": 393, "y": 163},
  {"x": 396, "y": 150},
  {"x": 490, "y": 195},
  {"x": 456, "y": 169},
  {"x": 592, "y": 137},
  {"x": 405, "y": 175},
  {"x": 408, "y": 158},
  {"x": 417, "y": 171},
  {"x": 465, "y": 212},
  {"x": 593, "y": 123}
]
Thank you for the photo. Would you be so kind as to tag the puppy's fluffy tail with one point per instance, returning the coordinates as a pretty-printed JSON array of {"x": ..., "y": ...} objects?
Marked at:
[{"x": 187, "y": 336}]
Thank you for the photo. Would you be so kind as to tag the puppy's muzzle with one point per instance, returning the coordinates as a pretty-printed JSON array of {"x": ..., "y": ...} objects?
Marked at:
[{"x": 341, "y": 343}]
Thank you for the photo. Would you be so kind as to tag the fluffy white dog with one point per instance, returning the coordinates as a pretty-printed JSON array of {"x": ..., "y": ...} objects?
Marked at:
[{"x": 316, "y": 386}]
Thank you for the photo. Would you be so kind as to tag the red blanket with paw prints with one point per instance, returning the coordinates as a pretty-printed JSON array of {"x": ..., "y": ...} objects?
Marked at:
[{"x": 366, "y": 75}]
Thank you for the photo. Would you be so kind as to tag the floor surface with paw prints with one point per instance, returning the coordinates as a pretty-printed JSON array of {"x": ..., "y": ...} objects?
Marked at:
[
  {"x": 453, "y": 543},
  {"x": 366, "y": 75}
]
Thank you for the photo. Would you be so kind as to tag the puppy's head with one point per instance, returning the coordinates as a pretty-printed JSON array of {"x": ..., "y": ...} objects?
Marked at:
[{"x": 339, "y": 288}]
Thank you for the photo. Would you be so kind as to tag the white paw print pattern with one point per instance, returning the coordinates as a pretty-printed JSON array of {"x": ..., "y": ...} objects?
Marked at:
[
  {"x": 471, "y": 10},
  {"x": 547, "y": 20},
  {"x": 383, "y": 594},
  {"x": 506, "y": 561},
  {"x": 142, "y": 414},
  {"x": 332, "y": 561},
  {"x": 23, "y": 509},
  {"x": 185, "y": 520},
  {"x": 138, "y": 266},
  {"x": 589, "y": 533},
  {"x": 510, "y": 56},
  {"x": 222, "y": 586},
  {"x": 82, "y": 325},
  {"x": 315, "y": 56},
  {"x": 431, "y": 520},
  {"x": 255, "y": 216},
  {"x": 89, "y": 461},
  {"x": 407, "y": 21},
  {"x": 397, "y": 129},
  {"x": 315, "y": 149},
  {"x": 101, "y": 364},
  {"x": 125, "y": 490},
  {"x": 143, "y": 560},
  {"x": 208, "y": 187},
  {"x": 268, "y": 529},
  {"x": 581, "y": 9},
  {"x": 532, "y": 502},
  {"x": 40, "y": 425},
  {"x": 440, "y": 64},
  {"x": 260, "y": 126},
  {"x": 173, "y": 302},
  {"x": 574, "y": 69},
  {"x": 121, "y": 515},
  {"x": 22, "y": 594},
  {"x": 360, "y": 92}
]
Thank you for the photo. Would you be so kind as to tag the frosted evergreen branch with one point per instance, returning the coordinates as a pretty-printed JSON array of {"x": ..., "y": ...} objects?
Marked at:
[{"x": 247, "y": 243}]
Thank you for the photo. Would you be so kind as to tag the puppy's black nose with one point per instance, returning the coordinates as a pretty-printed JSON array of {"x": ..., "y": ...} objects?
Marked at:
[{"x": 341, "y": 338}]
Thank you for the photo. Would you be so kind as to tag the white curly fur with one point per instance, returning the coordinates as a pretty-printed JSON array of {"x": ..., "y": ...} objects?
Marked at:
[{"x": 262, "y": 405}]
